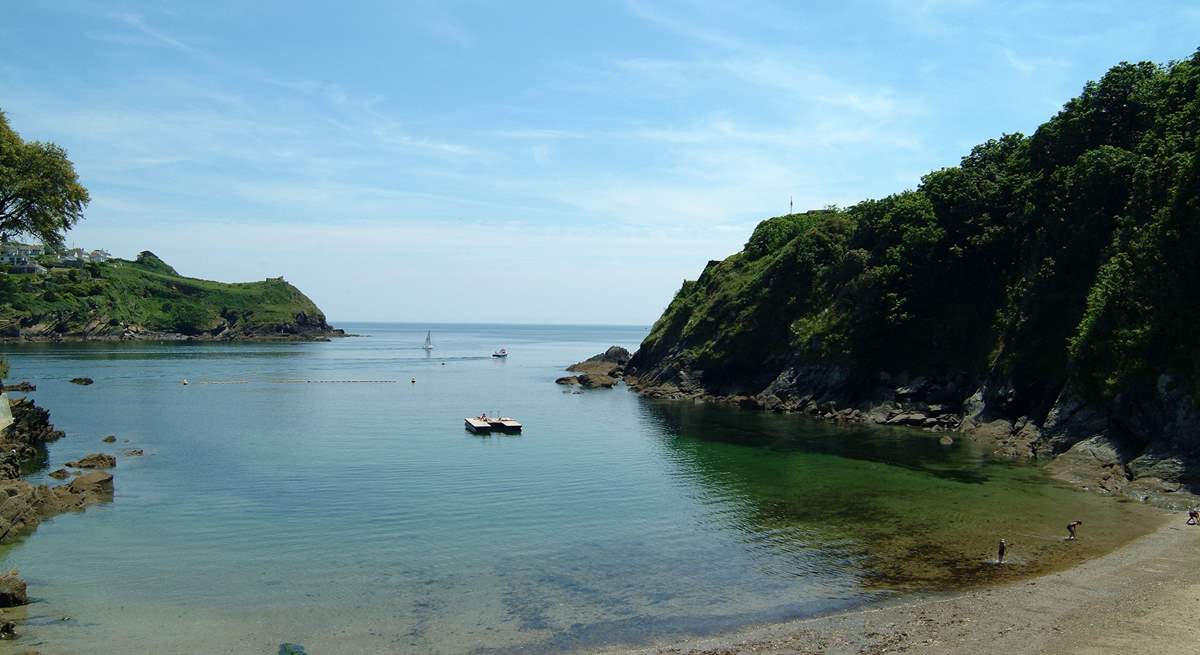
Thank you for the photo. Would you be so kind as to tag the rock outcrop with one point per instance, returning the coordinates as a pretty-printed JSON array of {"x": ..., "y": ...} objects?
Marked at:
[
  {"x": 601, "y": 371},
  {"x": 12, "y": 590},
  {"x": 24, "y": 505},
  {"x": 25, "y": 440},
  {"x": 94, "y": 461}
]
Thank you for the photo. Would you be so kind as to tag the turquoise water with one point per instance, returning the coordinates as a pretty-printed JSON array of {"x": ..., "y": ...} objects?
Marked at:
[{"x": 310, "y": 493}]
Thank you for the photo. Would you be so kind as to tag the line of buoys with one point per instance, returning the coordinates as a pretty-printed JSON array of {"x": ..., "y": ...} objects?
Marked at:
[
  {"x": 336, "y": 381},
  {"x": 414, "y": 380}
]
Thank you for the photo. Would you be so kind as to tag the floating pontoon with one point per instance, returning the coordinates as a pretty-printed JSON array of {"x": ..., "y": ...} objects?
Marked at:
[{"x": 485, "y": 423}]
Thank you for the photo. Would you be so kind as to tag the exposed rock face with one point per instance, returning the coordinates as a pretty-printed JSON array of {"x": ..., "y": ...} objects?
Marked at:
[
  {"x": 1146, "y": 447},
  {"x": 597, "y": 381},
  {"x": 601, "y": 371},
  {"x": 23, "y": 505},
  {"x": 12, "y": 590},
  {"x": 20, "y": 386},
  {"x": 94, "y": 461},
  {"x": 614, "y": 354},
  {"x": 26, "y": 438}
]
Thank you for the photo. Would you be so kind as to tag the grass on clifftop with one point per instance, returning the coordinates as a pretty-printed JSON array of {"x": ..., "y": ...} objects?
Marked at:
[{"x": 146, "y": 293}]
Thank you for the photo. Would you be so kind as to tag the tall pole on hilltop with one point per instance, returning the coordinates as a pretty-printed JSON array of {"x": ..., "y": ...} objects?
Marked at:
[{"x": 790, "y": 211}]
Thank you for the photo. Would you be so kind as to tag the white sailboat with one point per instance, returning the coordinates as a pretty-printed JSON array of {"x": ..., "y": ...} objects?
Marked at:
[{"x": 428, "y": 342}]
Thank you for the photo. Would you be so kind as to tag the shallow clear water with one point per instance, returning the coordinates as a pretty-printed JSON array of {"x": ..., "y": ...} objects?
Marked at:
[{"x": 310, "y": 493}]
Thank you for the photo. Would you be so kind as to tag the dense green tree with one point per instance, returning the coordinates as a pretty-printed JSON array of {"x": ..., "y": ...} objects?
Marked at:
[{"x": 40, "y": 194}]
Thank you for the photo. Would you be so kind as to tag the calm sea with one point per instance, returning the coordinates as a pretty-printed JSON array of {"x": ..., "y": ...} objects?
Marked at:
[{"x": 312, "y": 493}]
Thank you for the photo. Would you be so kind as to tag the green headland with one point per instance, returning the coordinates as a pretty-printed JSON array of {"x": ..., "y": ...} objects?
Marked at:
[{"x": 147, "y": 299}]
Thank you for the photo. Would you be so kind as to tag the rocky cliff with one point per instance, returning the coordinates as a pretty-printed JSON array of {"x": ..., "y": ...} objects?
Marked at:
[{"x": 1040, "y": 296}]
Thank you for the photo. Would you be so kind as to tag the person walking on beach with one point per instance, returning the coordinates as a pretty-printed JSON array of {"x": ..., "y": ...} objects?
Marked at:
[
  {"x": 1000, "y": 552},
  {"x": 1071, "y": 529},
  {"x": 1193, "y": 516}
]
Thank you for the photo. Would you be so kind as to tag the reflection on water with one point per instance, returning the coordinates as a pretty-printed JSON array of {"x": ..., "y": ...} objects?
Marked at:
[
  {"x": 909, "y": 512},
  {"x": 362, "y": 518}
]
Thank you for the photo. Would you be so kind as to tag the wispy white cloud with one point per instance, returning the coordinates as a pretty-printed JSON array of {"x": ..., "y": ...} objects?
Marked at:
[
  {"x": 154, "y": 34},
  {"x": 679, "y": 23},
  {"x": 1031, "y": 65}
]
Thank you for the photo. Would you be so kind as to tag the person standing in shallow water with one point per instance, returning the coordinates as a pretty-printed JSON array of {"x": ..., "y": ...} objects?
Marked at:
[
  {"x": 1000, "y": 552},
  {"x": 1071, "y": 529},
  {"x": 1193, "y": 517}
]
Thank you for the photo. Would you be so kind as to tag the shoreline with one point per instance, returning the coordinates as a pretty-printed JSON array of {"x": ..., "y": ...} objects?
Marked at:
[{"x": 1139, "y": 597}]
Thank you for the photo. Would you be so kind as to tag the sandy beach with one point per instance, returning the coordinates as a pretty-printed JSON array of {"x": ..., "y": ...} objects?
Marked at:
[{"x": 1141, "y": 598}]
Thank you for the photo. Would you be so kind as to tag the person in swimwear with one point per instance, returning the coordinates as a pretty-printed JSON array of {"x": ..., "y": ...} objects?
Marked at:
[
  {"x": 1193, "y": 516},
  {"x": 1071, "y": 529},
  {"x": 1000, "y": 552}
]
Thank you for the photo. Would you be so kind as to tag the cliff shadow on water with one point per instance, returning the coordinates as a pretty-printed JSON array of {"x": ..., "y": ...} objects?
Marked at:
[{"x": 907, "y": 511}]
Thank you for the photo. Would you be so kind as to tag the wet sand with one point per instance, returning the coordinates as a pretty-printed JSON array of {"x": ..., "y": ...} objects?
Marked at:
[{"x": 1141, "y": 598}]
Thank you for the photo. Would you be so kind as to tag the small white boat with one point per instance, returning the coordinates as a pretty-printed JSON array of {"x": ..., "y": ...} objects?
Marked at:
[
  {"x": 428, "y": 342},
  {"x": 500, "y": 354}
]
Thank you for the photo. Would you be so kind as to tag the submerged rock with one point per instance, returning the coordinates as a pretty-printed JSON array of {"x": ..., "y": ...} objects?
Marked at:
[
  {"x": 133, "y": 452},
  {"x": 109, "y": 439},
  {"x": 8, "y": 630},
  {"x": 291, "y": 649},
  {"x": 82, "y": 381},
  {"x": 94, "y": 461},
  {"x": 60, "y": 474}
]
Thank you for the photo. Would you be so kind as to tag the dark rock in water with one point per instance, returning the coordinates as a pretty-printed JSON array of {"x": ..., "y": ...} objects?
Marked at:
[
  {"x": 12, "y": 590},
  {"x": 25, "y": 440},
  {"x": 291, "y": 649},
  {"x": 82, "y": 381},
  {"x": 8, "y": 630},
  {"x": 609, "y": 364},
  {"x": 93, "y": 481},
  {"x": 60, "y": 474},
  {"x": 946, "y": 441},
  {"x": 569, "y": 379},
  {"x": 109, "y": 439},
  {"x": 20, "y": 386},
  {"x": 133, "y": 452},
  {"x": 94, "y": 461},
  {"x": 914, "y": 418},
  {"x": 597, "y": 380}
]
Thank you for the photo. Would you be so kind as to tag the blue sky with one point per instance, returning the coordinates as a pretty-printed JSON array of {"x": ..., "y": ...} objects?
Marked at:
[{"x": 566, "y": 162}]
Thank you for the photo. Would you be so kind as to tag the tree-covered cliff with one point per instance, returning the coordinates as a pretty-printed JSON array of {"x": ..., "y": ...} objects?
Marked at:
[{"x": 1066, "y": 260}]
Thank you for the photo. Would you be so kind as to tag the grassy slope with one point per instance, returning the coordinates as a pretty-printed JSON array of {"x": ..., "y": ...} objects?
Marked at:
[{"x": 149, "y": 294}]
